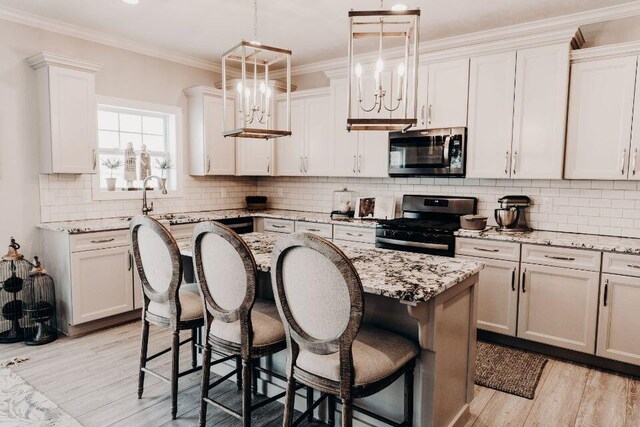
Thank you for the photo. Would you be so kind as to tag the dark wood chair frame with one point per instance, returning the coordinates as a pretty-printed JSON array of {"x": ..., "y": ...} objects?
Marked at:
[
  {"x": 173, "y": 322},
  {"x": 246, "y": 355},
  {"x": 345, "y": 389}
]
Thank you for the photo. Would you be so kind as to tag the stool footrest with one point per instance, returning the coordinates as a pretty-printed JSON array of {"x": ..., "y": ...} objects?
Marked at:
[
  {"x": 223, "y": 408},
  {"x": 189, "y": 371},
  {"x": 222, "y": 379},
  {"x": 377, "y": 416},
  {"x": 309, "y": 410},
  {"x": 269, "y": 372},
  {"x": 155, "y": 374}
]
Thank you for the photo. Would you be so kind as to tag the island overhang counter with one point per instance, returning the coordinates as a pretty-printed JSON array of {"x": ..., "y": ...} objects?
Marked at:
[{"x": 440, "y": 297}]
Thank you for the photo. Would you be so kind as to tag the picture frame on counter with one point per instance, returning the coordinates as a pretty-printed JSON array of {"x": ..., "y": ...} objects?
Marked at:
[{"x": 375, "y": 208}]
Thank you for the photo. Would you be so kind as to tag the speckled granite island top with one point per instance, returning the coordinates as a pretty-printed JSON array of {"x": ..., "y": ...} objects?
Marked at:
[
  {"x": 406, "y": 276},
  {"x": 108, "y": 224},
  {"x": 626, "y": 245}
]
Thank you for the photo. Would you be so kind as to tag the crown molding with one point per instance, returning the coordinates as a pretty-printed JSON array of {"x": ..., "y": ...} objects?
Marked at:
[
  {"x": 609, "y": 51},
  {"x": 47, "y": 24},
  {"x": 202, "y": 90},
  {"x": 307, "y": 93},
  {"x": 46, "y": 58}
]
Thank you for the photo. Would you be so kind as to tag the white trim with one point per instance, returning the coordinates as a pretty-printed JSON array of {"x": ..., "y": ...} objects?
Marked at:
[
  {"x": 610, "y": 51},
  {"x": 307, "y": 93},
  {"x": 202, "y": 90},
  {"x": 177, "y": 159},
  {"x": 46, "y": 58}
]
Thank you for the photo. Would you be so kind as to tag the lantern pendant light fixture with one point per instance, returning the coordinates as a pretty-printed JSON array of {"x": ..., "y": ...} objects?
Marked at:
[
  {"x": 382, "y": 97},
  {"x": 252, "y": 94}
]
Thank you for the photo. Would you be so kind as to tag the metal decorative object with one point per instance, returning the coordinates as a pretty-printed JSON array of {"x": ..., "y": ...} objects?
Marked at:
[
  {"x": 14, "y": 269},
  {"x": 252, "y": 94},
  {"x": 381, "y": 98},
  {"x": 39, "y": 307}
]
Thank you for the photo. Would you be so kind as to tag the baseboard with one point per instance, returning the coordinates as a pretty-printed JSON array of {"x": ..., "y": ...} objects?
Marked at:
[{"x": 97, "y": 325}]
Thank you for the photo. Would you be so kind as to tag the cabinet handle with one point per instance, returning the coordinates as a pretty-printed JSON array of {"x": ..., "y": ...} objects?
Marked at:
[
  {"x": 429, "y": 118},
  {"x": 130, "y": 261},
  {"x": 422, "y": 114},
  {"x": 305, "y": 163},
  {"x": 354, "y": 164},
  {"x": 506, "y": 163},
  {"x": 353, "y": 234},
  {"x": 633, "y": 265},
  {"x": 269, "y": 164},
  {"x": 606, "y": 292},
  {"x": 524, "y": 276},
  {"x": 95, "y": 159},
  {"x": 278, "y": 226},
  {"x": 622, "y": 159},
  {"x": 514, "y": 160},
  {"x": 486, "y": 250},
  {"x": 103, "y": 240},
  {"x": 513, "y": 279},
  {"x": 313, "y": 229},
  {"x": 561, "y": 258},
  {"x": 359, "y": 164},
  {"x": 635, "y": 160},
  {"x": 301, "y": 164},
  {"x": 208, "y": 164}
]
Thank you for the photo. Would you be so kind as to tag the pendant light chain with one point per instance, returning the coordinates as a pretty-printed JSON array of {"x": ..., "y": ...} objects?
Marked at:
[{"x": 255, "y": 20}]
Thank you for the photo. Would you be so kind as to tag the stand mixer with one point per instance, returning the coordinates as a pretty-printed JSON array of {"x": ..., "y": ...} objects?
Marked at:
[{"x": 511, "y": 217}]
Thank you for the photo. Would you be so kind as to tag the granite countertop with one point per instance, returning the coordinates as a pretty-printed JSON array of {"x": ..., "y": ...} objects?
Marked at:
[
  {"x": 626, "y": 245},
  {"x": 406, "y": 276},
  {"x": 108, "y": 224}
]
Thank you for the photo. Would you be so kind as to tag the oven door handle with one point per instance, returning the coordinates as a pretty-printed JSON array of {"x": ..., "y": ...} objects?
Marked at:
[
  {"x": 438, "y": 246},
  {"x": 447, "y": 149}
]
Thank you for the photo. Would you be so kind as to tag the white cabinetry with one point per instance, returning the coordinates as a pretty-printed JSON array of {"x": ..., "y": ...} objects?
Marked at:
[
  {"x": 67, "y": 114},
  {"x": 600, "y": 116},
  {"x": 254, "y": 157},
  {"x": 210, "y": 153},
  {"x": 447, "y": 93}
]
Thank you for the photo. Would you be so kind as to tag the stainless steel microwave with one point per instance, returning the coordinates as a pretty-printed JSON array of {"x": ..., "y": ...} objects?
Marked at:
[{"x": 434, "y": 152}]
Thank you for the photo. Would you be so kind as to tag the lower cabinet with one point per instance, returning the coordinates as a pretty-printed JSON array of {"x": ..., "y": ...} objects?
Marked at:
[
  {"x": 558, "y": 306},
  {"x": 101, "y": 283},
  {"x": 619, "y": 321},
  {"x": 498, "y": 295}
]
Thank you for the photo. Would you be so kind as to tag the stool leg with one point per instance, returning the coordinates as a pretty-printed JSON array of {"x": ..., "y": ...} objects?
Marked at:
[
  {"x": 144, "y": 346},
  {"x": 204, "y": 389},
  {"x": 239, "y": 373},
  {"x": 194, "y": 353},
  {"x": 309, "y": 403},
  {"x": 246, "y": 393},
  {"x": 408, "y": 397},
  {"x": 288, "y": 403},
  {"x": 347, "y": 412},
  {"x": 175, "y": 352},
  {"x": 254, "y": 377},
  {"x": 331, "y": 408}
]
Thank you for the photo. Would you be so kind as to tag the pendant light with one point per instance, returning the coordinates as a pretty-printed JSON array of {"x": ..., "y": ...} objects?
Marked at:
[
  {"x": 252, "y": 95},
  {"x": 383, "y": 96}
]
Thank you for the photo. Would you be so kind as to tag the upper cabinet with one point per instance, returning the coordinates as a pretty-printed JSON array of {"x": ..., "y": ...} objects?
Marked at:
[
  {"x": 447, "y": 92},
  {"x": 210, "y": 153},
  {"x": 517, "y": 113},
  {"x": 67, "y": 115},
  {"x": 308, "y": 150},
  {"x": 601, "y": 113},
  {"x": 255, "y": 157}
]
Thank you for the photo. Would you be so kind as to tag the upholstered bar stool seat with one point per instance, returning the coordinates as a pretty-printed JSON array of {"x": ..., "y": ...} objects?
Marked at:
[
  {"x": 266, "y": 323},
  {"x": 377, "y": 354},
  {"x": 190, "y": 300}
]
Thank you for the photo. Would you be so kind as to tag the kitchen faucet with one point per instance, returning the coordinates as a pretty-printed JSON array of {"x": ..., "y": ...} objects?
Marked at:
[{"x": 145, "y": 208}]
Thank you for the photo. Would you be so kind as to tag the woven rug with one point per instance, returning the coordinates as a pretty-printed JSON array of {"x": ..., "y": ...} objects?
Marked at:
[
  {"x": 21, "y": 405},
  {"x": 509, "y": 370}
]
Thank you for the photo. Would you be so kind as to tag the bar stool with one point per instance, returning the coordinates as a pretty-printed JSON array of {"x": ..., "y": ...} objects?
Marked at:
[
  {"x": 236, "y": 322},
  {"x": 167, "y": 302},
  {"x": 320, "y": 300}
]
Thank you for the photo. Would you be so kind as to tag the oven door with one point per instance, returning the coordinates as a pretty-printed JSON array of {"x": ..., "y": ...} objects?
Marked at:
[
  {"x": 442, "y": 245},
  {"x": 426, "y": 153}
]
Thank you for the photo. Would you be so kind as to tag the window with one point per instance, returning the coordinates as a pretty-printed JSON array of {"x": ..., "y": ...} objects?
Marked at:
[{"x": 123, "y": 124}]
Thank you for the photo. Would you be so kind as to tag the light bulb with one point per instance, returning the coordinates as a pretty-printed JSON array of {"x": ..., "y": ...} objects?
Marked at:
[
  {"x": 399, "y": 7},
  {"x": 262, "y": 87},
  {"x": 358, "y": 70},
  {"x": 401, "y": 69},
  {"x": 379, "y": 65},
  {"x": 239, "y": 87},
  {"x": 268, "y": 92}
]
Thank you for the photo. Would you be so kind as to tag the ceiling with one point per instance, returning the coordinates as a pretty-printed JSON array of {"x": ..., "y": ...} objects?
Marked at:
[{"x": 314, "y": 30}]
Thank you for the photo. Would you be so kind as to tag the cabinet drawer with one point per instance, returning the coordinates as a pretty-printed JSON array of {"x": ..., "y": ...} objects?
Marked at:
[
  {"x": 322, "y": 230},
  {"x": 488, "y": 249},
  {"x": 278, "y": 225},
  {"x": 627, "y": 265},
  {"x": 354, "y": 234},
  {"x": 182, "y": 231},
  {"x": 104, "y": 239},
  {"x": 561, "y": 257}
]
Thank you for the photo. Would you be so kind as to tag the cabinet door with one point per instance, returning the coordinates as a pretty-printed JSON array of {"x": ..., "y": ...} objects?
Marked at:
[
  {"x": 289, "y": 149},
  {"x": 558, "y": 306},
  {"x": 421, "y": 113},
  {"x": 634, "y": 157},
  {"x": 498, "y": 296},
  {"x": 73, "y": 116},
  {"x": 618, "y": 322},
  {"x": 373, "y": 154},
  {"x": 600, "y": 114},
  {"x": 448, "y": 89},
  {"x": 220, "y": 156},
  {"x": 491, "y": 91},
  {"x": 255, "y": 157},
  {"x": 344, "y": 144},
  {"x": 101, "y": 283},
  {"x": 540, "y": 112},
  {"x": 317, "y": 155}
]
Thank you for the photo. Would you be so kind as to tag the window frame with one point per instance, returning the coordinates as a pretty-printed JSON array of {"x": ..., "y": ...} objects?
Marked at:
[{"x": 174, "y": 146}]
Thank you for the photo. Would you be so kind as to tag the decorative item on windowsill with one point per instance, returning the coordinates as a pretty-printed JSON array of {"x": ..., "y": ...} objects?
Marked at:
[
  {"x": 112, "y": 164},
  {"x": 129, "y": 167},
  {"x": 249, "y": 101},
  {"x": 255, "y": 203},
  {"x": 344, "y": 203},
  {"x": 164, "y": 165},
  {"x": 14, "y": 269},
  {"x": 383, "y": 99},
  {"x": 39, "y": 307},
  {"x": 144, "y": 166}
]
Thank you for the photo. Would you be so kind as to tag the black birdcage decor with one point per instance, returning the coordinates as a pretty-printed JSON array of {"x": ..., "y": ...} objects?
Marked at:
[
  {"x": 39, "y": 307},
  {"x": 14, "y": 269}
]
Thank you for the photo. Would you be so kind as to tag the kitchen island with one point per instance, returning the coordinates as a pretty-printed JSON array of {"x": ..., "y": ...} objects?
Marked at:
[{"x": 440, "y": 299}]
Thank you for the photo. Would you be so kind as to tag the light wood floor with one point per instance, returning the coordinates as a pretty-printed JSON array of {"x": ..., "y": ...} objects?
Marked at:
[{"x": 94, "y": 379}]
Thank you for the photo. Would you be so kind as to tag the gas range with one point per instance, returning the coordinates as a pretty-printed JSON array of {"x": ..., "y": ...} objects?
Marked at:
[{"x": 427, "y": 224}]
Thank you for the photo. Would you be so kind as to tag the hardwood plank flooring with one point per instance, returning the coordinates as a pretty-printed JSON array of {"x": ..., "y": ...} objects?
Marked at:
[{"x": 94, "y": 378}]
